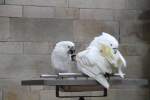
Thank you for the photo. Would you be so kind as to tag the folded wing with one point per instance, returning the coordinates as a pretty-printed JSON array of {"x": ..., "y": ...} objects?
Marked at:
[{"x": 88, "y": 66}]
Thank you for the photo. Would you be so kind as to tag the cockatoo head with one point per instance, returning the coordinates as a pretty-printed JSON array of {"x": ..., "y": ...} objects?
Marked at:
[
  {"x": 109, "y": 40},
  {"x": 106, "y": 39},
  {"x": 66, "y": 47}
]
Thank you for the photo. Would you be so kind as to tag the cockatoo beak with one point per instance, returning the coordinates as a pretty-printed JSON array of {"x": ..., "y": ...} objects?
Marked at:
[
  {"x": 115, "y": 50},
  {"x": 71, "y": 50},
  {"x": 72, "y": 53}
]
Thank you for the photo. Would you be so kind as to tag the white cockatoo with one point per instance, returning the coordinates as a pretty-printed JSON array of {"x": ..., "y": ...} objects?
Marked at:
[
  {"x": 101, "y": 58},
  {"x": 62, "y": 57}
]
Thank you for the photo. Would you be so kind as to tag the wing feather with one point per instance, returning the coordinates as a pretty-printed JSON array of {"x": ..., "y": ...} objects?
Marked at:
[
  {"x": 89, "y": 67},
  {"x": 116, "y": 60}
]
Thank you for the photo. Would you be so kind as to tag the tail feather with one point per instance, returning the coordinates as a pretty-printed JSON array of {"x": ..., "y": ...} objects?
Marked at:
[{"x": 102, "y": 80}]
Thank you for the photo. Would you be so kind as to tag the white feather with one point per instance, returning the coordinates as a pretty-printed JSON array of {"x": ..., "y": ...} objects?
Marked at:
[
  {"x": 95, "y": 64},
  {"x": 60, "y": 59}
]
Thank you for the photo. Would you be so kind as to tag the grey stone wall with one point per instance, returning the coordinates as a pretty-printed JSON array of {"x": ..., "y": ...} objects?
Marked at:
[{"x": 29, "y": 30}]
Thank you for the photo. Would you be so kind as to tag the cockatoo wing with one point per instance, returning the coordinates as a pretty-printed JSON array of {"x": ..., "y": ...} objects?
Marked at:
[
  {"x": 58, "y": 63},
  {"x": 107, "y": 52},
  {"x": 99, "y": 77},
  {"x": 61, "y": 63},
  {"x": 116, "y": 60},
  {"x": 89, "y": 67}
]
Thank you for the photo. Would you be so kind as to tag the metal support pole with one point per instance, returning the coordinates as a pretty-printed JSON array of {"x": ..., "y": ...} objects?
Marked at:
[
  {"x": 81, "y": 98},
  {"x": 3, "y": 2}
]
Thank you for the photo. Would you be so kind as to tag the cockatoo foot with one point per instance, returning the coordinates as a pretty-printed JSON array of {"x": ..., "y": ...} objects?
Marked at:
[{"x": 120, "y": 74}]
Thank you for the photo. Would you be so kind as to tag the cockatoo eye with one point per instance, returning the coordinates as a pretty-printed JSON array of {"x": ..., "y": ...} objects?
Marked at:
[
  {"x": 110, "y": 44},
  {"x": 69, "y": 47}
]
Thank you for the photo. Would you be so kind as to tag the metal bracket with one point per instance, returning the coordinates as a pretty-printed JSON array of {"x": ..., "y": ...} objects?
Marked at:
[
  {"x": 3, "y": 2},
  {"x": 62, "y": 79},
  {"x": 58, "y": 87}
]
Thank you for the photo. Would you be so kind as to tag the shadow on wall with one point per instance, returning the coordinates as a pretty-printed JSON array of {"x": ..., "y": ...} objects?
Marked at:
[
  {"x": 145, "y": 37},
  {"x": 145, "y": 15}
]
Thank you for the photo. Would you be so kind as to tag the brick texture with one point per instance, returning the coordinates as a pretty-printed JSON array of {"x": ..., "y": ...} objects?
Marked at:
[
  {"x": 24, "y": 66},
  {"x": 54, "y": 30},
  {"x": 112, "y": 4},
  {"x": 1, "y": 2},
  {"x": 10, "y": 11},
  {"x": 4, "y": 29},
  {"x": 134, "y": 31},
  {"x": 11, "y": 48},
  {"x": 37, "y": 48},
  {"x": 29, "y": 30},
  {"x": 58, "y": 3},
  {"x": 134, "y": 49},
  {"x": 86, "y": 30},
  {"x": 38, "y": 12},
  {"x": 67, "y": 13},
  {"x": 99, "y": 14},
  {"x": 138, "y": 4}
]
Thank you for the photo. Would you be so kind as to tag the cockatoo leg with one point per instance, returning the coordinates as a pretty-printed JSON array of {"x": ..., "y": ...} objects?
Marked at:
[
  {"x": 120, "y": 73},
  {"x": 107, "y": 75}
]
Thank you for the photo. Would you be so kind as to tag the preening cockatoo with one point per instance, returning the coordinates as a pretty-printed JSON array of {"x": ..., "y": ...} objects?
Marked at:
[
  {"x": 62, "y": 57},
  {"x": 100, "y": 58}
]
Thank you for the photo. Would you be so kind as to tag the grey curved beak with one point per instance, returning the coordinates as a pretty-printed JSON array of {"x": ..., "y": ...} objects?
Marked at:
[
  {"x": 72, "y": 53},
  {"x": 115, "y": 50},
  {"x": 71, "y": 50}
]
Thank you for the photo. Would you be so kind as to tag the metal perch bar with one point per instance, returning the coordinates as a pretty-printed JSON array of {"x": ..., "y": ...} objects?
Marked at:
[
  {"x": 77, "y": 82},
  {"x": 80, "y": 79},
  {"x": 113, "y": 81},
  {"x": 63, "y": 75}
]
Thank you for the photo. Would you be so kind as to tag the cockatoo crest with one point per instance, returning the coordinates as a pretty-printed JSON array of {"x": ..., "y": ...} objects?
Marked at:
[
  {"x": 112, "y": 41},
  {"x": 67, "y": 45},
  {"x": 106, "y": 39}
]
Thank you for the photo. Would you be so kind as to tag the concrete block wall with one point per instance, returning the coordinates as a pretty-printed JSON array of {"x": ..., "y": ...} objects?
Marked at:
[{"x": 29, "y": 30}]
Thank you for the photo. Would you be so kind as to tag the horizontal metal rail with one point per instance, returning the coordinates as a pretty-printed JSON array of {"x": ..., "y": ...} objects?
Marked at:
[
  {"x": 114, "y": 82},
  {"x": 73, "y": 82}
]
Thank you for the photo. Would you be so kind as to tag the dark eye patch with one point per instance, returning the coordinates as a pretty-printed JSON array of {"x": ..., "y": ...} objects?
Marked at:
[{"x": 69, "y": 47}]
